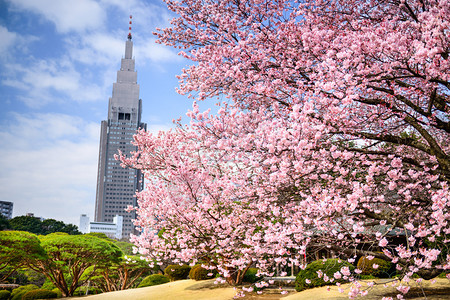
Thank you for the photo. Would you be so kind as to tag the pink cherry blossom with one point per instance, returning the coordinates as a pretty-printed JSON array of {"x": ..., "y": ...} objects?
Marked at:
[
  {"x": 403, "y": 289},
  {"x": 345, "y": 271},
  {"x": 383, "y": 242},
  {"x": 337, "y": 275}
]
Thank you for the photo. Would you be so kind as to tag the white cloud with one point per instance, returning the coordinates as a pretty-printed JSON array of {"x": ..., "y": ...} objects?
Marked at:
[
  {"x": 13, "y": 42},
  {"x": 148, "y": 49},
  {"x": 96, "y": 49},
  {"x": 47, "y": 81},
  {"x": 67, "y": 15},
  {"x": 8, "y": 40},
  {"x": 46, "y": 74},
  {"x": 49, "y": 165},
  {"x": 123, "y": 5},
  {"x": 107, "y": 49}
]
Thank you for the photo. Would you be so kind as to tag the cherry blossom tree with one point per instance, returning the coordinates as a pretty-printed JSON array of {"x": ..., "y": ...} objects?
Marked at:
[
  {"x": 334, "y": 135},
  {"x": 197, "y": 206}
]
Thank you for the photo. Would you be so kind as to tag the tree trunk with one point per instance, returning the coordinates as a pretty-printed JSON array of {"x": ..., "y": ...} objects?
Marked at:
[{"x": 236, "y": 277}]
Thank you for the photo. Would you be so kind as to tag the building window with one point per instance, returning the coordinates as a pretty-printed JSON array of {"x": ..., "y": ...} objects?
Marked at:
[{"x": 124, "y": 116}]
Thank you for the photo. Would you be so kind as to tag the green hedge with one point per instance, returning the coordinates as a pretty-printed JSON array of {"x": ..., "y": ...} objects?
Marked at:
[
  {"x": 22, "y": 290},
  {"x": 308, "y": 278},
  {"x": 177, "y": 272},
  {"x": 39, "y": 294},
  {"x": 250, "y": 276},
  {"x": 4, "y": 294},
  {"x": 154, "y": 279},
  {"x": 366, "y": 266},
  {"x": 58, "y": 292},
  {"x": 199, "y": 273}
]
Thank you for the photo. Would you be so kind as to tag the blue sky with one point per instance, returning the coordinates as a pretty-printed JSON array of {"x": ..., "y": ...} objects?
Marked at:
[{"x": 58, "y": 61}]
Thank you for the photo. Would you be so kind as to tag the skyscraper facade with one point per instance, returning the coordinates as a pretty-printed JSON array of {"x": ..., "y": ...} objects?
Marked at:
[
  {"x": 116, "y": 186},
  {"x": 6, "y": 209}
]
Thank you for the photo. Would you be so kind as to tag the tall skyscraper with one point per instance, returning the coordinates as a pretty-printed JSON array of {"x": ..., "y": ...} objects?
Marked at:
[{"x": 116, "y": 186}]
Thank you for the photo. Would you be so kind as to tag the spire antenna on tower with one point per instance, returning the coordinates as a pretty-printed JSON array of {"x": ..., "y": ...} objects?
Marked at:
[{"x": 129, "y": 28}]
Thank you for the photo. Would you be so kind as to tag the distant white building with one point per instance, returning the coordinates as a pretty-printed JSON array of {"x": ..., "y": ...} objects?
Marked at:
[
  {"x": 84, "y": 224},
  {"x": 112, "y": 230}
]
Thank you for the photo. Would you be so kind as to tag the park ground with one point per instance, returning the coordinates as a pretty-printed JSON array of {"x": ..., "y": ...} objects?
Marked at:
[{"x": 207, "y": 290}]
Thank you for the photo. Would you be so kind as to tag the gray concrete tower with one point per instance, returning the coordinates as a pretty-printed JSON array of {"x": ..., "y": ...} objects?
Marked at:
[{"x": 116, "y": 186}]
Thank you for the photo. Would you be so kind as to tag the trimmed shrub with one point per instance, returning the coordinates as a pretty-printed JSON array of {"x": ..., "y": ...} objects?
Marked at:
[
  {"x": 250, "y": 276},
  {"x": 4, "y": 294},
  {"x": 199, "y": 273},
  {"x": 309, "y": 278},
  {"x": 155, "y": 279},
  {"x": 191, "y": 272},
  {"x": 58, "y": 292},
  {"x": 22, "y": 290},
  {"x": 177, "y": 272},
  {"x": 39, "y": 294},
  {"x": 382, "y": 271}
]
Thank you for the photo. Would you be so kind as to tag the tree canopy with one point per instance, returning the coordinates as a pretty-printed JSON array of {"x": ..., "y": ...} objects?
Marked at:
[
  {"x": 72, "y": 259},
  {"x": 69, "y": 261},
  {"x": 122, "y": 275},
  {"x": 26, "y": 223},
  {"x": 334, "y": 135},
  {"x": 17, "y": 249},
  {"x": 35, "y": 225},
  {"x": 4, "y": 223}
]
